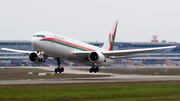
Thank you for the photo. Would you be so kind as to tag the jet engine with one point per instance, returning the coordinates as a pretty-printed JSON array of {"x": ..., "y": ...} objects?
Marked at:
[
  {"x": 36, "y": 58},
  {"x": 96, "y": 57}
]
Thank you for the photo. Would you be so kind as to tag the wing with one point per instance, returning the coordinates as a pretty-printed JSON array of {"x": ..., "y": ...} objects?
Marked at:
[
  {"x": 133, "y": 51},
  {"x": 18, "y": 51},
  {"x": 126, "y": 57},
  {"x": 121, "y": 54}
]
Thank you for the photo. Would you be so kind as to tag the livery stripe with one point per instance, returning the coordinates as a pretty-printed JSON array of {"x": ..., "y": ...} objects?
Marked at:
[
  {"x": 114, "y": 35},
  {"x": 68, "y": 44}
]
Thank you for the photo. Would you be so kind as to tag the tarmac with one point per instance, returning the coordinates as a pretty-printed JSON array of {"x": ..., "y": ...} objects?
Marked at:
[{"x": 69, "y": 70}]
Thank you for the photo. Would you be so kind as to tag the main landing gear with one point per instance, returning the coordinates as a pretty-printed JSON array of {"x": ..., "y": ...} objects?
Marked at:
[
  {"x": 59, "y": 68},
  {"x": 94, "y": 69}
]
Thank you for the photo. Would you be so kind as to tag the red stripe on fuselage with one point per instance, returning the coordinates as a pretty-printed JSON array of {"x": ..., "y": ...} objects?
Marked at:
[{"x": 68, "y": 44}]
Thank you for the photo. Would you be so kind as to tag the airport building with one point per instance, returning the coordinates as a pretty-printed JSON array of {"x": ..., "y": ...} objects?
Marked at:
[{"x": 154, "y": 58}]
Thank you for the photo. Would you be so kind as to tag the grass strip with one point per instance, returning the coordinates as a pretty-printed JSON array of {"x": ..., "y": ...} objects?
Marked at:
[{"x": 136, "y": 91}]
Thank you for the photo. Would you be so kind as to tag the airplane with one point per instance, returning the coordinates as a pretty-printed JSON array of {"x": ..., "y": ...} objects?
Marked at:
[{"x": 62, "y": 48}]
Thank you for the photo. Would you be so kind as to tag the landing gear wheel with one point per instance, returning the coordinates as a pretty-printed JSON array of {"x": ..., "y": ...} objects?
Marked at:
[
  {"x": 55, "y": 70},
  {"x": 94, "y": 70},
  {"x": 62, "y": 69},
  {"x": 59, "y": 68},
  {"x": 90, "y": 70},
  {"x": 97, "y": 69}
]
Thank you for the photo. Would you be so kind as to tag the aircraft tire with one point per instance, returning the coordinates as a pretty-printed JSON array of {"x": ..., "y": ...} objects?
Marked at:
[
  {"x": 90, "y": 70},
  {"x": 55, "y": 70},
  {"x": 62, "y": 69},
  {"x": 59, "y": 70},
  {"x": 97, "y": 69}
]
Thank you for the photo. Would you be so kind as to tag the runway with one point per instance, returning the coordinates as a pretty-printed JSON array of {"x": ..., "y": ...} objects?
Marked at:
[{"x": 113, "y": 78}]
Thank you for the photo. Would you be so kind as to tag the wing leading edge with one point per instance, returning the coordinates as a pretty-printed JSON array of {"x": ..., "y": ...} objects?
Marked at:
[
  {"x": 133, "y": 51},
  {"x": 23, "y": 51},
  {"x": 121, "y": 54},
  {"x": 18, "y": 51}
]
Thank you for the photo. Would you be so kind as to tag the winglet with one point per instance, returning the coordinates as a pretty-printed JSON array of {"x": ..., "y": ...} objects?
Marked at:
[{"x": 109, "y": 44}]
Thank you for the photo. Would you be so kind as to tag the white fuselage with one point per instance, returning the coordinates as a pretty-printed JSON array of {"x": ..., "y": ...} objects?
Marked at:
[{"x": 57, "y": 46}]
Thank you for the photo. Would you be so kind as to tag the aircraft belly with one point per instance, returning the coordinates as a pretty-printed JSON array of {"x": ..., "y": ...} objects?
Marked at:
[
  {"x": 60, "y": 51},
  {"x": 48, "y": 48}
]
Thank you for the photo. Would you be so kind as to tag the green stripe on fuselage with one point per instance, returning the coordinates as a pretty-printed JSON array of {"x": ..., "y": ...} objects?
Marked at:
[{"x": 65, "y": 45}]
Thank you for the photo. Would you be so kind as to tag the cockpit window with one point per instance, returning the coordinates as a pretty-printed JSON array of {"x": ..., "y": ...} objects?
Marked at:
[{"x": 39, "y": 36}]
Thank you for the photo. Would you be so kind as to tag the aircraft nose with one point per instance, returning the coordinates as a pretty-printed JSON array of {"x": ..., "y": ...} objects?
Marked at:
[{"x": 35, "y": 43}]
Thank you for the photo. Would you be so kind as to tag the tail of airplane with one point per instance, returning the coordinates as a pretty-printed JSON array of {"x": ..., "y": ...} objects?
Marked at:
[{"x": 109, "y": 44}]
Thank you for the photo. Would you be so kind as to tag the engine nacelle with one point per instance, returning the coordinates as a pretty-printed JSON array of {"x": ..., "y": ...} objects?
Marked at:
[
  {"x": 96, "y": 57},
  {"x": 36, "y": 58}
]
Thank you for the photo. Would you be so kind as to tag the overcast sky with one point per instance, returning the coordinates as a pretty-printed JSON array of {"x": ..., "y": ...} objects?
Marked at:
[{"x": 91, "y": 20}]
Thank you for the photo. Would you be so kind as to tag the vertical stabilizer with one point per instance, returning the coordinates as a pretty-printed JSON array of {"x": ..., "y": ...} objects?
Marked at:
[{"x": 109, "y": 44}]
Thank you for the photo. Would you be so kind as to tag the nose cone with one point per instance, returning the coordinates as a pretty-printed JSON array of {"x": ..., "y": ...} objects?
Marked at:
[{"x": 36, "y": 43}]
